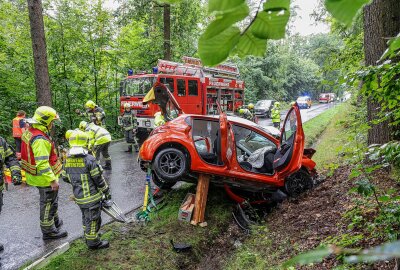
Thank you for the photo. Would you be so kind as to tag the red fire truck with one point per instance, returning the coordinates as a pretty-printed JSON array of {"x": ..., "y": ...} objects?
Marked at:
[{"x": 197, "y": 89}]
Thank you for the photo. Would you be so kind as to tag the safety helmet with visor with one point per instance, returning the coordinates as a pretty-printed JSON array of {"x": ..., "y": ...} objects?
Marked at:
[
  {"x": 83, "y": 125},
  {"x": 90, "y": 105},
  {"x": 44, "y": 115},
  {"x": 78, "y": 138}
]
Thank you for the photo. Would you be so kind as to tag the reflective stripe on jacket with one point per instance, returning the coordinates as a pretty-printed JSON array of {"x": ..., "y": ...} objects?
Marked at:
[
  {"x": 17, "y": 129},
  {"x": 85, "y": 175},
  {"x": 275, "y": 115},
  {"x": 39, "y": 158},
  {"x": 7, "y": 158},
  {"x": 97, "y": 135}
]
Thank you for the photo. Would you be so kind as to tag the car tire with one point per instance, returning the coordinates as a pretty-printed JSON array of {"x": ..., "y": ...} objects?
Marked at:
[
  {"x": 298, "y": 183},
  {"x": 162, "y": 184},
  {"x": 170, "y": 164}
]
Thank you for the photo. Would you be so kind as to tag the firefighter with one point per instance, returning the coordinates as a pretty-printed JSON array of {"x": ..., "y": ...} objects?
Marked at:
[
  {"x": 95, "y": 113},
  {"x": 7, "y": 157},
  {"x": 18, "y": 127},
  {"x": 89, "y": 187},
  {"x": 159, "y": 119},
  {"x": 276, "y": 115},
  {"x": 251, "y": 107},
  {"x": 99, "y": 141},
  {"x": 246, "y": 113},
  {"x": 129, "y": 124},
  {"x": 40, "y": 161}
]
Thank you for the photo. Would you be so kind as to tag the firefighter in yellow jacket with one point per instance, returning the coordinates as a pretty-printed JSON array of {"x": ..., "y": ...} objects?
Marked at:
[
  {"x": 40, "y": 161},
  {"x": 99, "y": 141},
  {"x": 89, "y": 187}
]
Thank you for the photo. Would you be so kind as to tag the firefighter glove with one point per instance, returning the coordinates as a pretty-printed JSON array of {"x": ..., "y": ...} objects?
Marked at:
[{"x": 17, "y": 180}]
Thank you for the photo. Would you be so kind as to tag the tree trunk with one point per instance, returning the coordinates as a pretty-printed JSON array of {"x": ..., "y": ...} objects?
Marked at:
[
  {"x": 381, "y": 21},
  {"x": 167, "y": 32},
  {"x": 43, "y": 92}
]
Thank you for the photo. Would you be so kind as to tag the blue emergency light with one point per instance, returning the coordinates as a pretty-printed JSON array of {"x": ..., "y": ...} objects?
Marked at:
[
  {"x": 130, "y": 72},
  {"x": 155, "y": 70}
]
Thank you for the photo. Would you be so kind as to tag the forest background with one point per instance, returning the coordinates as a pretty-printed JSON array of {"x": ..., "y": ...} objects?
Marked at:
[{"x": 90, "y": 49}]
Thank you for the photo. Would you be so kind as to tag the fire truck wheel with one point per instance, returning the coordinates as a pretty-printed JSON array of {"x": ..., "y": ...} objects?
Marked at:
[
  {"x": 167, "y": 185},
  {"x": 170, "y": 164}
]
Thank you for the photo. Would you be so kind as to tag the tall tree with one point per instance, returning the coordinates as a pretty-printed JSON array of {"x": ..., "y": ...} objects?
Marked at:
[
  {"x": 43, "y": 92},
  {"x": 167, "y": 32},
  {"x": 381, "y": 22}
]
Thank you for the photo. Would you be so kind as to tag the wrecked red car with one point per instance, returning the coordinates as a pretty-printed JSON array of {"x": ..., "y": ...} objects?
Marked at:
[{"x": 235, "y": 152}]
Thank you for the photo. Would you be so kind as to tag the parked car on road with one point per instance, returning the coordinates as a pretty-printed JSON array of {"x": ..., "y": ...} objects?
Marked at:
[
  {"x": 235, "y": 152},
  {"x": 263, "y": 108},
  {"x": 304, "y": 102}
]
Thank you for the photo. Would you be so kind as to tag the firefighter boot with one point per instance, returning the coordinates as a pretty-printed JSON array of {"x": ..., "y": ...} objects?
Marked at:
[
  {"x": 59, "y": 223},
  {"x": 108, "y": 165},
  {"x": 1, "y": 248},
  {"x": 55, "y": 235},
  {"x": 102, "y": 244},
  {"x": 129, "y": 149}
]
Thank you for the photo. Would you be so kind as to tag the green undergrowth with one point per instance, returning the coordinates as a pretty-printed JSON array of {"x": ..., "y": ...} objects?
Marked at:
[
  {"x": 333, "y": 142},
  {"x": 316, "y": 126},
  {"x": 139, "y": 246}
]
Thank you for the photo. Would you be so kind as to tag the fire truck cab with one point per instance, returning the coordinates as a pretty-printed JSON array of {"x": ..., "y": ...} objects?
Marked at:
[{"x": 196, "y": 88}]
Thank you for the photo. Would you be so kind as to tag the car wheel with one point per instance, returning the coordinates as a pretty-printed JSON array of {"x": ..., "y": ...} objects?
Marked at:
[
  {"x": 170, "y": 164},
  {"x": 298, "y": 183},
  {"x": 162, "y": 183}
]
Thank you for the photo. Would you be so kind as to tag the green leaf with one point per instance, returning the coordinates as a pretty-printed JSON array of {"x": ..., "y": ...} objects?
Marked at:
[
  {"x": 220, "y": 24},
  {"x": 382, "y": 252},
  {"x": 384, "y": 198},
  {"x": 315, "y": 255},
  {"x": 354, "y": 174},
  {"x": 273, "y": 5},
  {"x": 215, "y": 50},
  {"x": 345, "y": 10},
  {"x": 250, "y": 45},
  {"x": 270, "y": 24},
  {"x": 224, "y": 6},
  {"x": 168, "y": 1},
  {"x": 394, "y": 46}
]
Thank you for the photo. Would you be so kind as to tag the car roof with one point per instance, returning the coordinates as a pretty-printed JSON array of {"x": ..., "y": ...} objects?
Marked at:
[
  {"x": 241, "y": 121},
  {"x": 303, "y": 98}
]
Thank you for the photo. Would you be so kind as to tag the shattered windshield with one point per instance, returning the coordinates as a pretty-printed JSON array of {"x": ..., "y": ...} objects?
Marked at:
[{"x": 137, "y": 86}]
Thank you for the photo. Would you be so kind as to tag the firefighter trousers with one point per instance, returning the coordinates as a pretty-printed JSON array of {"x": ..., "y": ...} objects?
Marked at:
[
  {"x": 130, "y": 137},
  {"x": 91, "y": 221},
  {"x": 102, "y": 149},
  {"x": 48, "y": 210}
]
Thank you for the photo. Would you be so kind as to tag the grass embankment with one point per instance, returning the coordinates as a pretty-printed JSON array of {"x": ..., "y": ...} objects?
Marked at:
[
  {"x": 138, "y": 246},
  {"x": 328, "y": 134}
]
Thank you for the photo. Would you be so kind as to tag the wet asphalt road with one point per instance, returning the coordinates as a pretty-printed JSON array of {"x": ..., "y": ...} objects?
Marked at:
[
  {"x": 19, "y": 221},
  {"x": 306, "y": 114}
]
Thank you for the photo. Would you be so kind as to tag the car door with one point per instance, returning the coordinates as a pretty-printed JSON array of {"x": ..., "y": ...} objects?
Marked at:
[
  {"x": 288, "y": 157},
  {"x": 226, "y": 140}
]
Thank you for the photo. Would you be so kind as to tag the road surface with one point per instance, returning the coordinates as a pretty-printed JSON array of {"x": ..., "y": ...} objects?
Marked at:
[
  {"x": 19, "y": 222},
  {"x": 306, "y": 114}
]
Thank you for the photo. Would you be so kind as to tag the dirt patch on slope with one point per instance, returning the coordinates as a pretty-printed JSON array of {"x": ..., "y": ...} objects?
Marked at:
[{"x": 311, "y": 218}]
